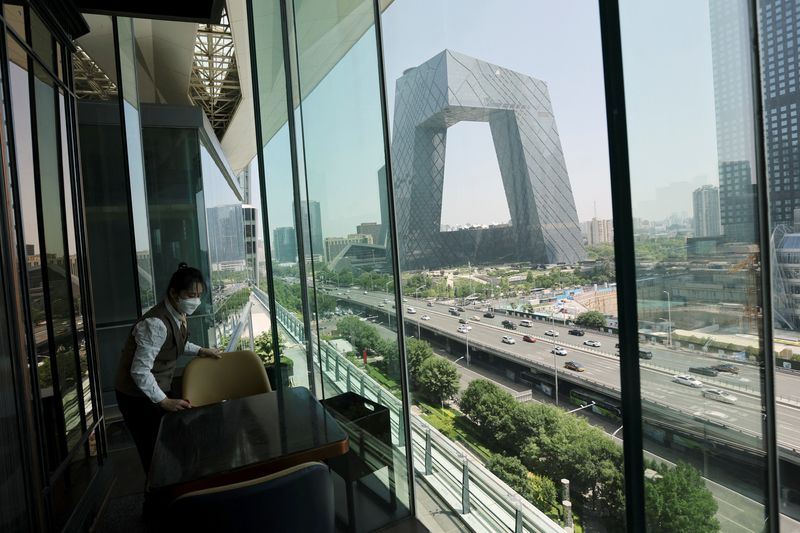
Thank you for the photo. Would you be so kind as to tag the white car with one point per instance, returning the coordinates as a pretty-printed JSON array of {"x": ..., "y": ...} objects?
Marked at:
[
  {"x": 385, "y": 301},
  {"x": 411, "y": 311},
  {"x": 404, "y": 300},
  {"x": 365, "y": 292},
  {"x": 476, "y": 318},
  {"x": 508, "y": 340},
  {"x": 719, "y": 395},
  {"x": 689, "y": 381},
  {"x": 558, "y": 350},
  {"x": 551, "y": 333},
  {"x": 381, "y": 305},
  {"x": 593, "y": 344},
  {"x": 462, "y": 329},
  {"x": 425, "y": 317}
]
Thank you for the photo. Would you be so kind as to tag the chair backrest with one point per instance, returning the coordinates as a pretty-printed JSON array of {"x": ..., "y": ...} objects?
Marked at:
[
  {"x": 296, "y": 499},
  {"x": 237, "y": 374}
]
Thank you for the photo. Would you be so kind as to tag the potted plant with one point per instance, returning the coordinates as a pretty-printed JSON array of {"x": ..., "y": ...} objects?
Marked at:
[{"x": 264, "y": 350}]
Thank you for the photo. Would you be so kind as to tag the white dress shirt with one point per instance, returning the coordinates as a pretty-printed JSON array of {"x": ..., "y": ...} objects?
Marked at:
[{"x": 150, "y": 335}]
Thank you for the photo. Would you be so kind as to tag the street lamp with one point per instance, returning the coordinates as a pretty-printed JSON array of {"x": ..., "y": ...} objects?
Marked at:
[
  {"x": 669, "y": 318},
  {"x": 591, "y": 404},
  {"x": 416, "y": 291},
  {"x": 466, "y": 338},
  {"x": 555, "y": 371},
  {"x": 386, "y": 287}
]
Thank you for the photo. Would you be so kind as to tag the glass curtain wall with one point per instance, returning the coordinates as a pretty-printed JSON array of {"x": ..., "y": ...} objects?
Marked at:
[
  {"x": 692, "y": 131},
  {"x": 47, "y": 214},
  {"x": 328, "y": 278}
]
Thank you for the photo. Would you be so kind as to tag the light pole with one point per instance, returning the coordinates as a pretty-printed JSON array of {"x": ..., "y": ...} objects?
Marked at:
[
  {"x": 416, "y": 292},
  {"x": 386, "y": 287},
  {"x": 669, "y": 318},
  {"x": 466, "y": 338},
  {"x": 555, "y": 371}
]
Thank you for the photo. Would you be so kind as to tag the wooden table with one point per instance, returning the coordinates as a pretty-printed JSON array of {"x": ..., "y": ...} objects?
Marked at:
[{"x": 241, "y": 439}]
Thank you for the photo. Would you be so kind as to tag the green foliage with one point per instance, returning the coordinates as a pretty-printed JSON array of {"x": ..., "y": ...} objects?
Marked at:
[
  {"x": 680, "y": 501},
  {"x": 538, "y": 490},
  {"x": 417, "y": 352},
  {"x": 438, "y": 378},
  {"x": 661, "y": 249},
  {"x": 361, "y": 335},
  {"x": 232, "y": 304},
  {"x": 591, "y": 319}
]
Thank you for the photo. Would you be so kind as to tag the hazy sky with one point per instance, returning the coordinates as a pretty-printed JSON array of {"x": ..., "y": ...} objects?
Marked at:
[{"x": 669, "y": 95}]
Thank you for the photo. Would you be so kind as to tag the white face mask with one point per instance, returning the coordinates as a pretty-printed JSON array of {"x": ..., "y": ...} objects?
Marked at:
[{"x": 188, "y": 305}]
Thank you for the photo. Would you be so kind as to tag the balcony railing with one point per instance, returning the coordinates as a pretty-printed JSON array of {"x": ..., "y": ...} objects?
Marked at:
[{"x": 484, "y": 502}]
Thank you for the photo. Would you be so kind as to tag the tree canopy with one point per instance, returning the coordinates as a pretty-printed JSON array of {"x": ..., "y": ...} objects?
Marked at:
[
  {"x": 438, "y": 378},
  {"x": 591, "y": 319}
]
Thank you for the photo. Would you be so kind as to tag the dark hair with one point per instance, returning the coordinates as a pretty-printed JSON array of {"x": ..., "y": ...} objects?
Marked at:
[{"x": 184, "y": 278}]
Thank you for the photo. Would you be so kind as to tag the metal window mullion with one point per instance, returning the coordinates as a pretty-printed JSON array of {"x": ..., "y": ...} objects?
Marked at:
[
  {"x": 81, "y": 249},
  {"x": 772, "y": 506},
  {"x": 65, "y": 244},
  {"x": 310, "y": 353},
  {"x": 262, "y": 178},
  {"x": 126, "y": 162},
  {"x": 298, "y": 218},
  {"x": 21, "y": 336},
  {"x": 395, "y": 252},
  {"x": 625, "y": 261}
]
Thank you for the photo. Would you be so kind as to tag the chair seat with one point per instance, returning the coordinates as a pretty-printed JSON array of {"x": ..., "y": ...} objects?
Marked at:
[{"x": 207, "y": 380}]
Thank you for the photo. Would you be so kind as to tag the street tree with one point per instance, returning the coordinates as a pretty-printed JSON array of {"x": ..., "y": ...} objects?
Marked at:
[
  {"x": 680, "y": 501},
  {"x": 417, "y": 352},
  {"x": 591, "y": 319},
  {"x": 438, "y": 377}
]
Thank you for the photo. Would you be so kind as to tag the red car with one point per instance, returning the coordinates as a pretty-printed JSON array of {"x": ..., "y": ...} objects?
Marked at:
[{"x": 528, "y": 338}]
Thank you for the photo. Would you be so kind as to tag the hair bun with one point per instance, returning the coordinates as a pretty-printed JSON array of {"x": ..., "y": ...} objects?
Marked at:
[{"x": 182, "y": 265}]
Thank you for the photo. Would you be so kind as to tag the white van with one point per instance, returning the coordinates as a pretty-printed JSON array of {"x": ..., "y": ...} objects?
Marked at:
[{"x": 525, "y": 323}]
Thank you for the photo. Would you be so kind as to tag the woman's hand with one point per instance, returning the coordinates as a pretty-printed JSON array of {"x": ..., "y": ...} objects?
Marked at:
[
  {"x": 168, "y": 404},
  {"x": 210, "y": 352}
]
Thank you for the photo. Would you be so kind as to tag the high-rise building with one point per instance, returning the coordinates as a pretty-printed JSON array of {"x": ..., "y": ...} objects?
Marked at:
[
  {"x": 705, "y": 200},
  {"x": 334, "y": 245},
  {"x": 250, "y": 216},
  {"x": 373, "y": 229},
  {"x": 733, "y": 99},
  {"x": 452, "y": 87},
  {"x": 598, "y": 231},
  {"x": 780, "y": 53},
  {"x": 225, "y": 237},
  {"x": 312, "y": 218},
  {"x": 284, "y": 242}
]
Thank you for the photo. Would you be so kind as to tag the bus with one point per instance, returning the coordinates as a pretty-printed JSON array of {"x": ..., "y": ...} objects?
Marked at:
[{"x": 603, "y": 405}]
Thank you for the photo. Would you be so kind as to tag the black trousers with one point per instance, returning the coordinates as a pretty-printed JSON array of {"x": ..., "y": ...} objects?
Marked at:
[{"x": 142, "y": 418}]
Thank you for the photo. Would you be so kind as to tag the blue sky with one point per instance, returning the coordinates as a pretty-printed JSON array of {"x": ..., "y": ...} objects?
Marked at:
[{"x": 669, "y": 95}]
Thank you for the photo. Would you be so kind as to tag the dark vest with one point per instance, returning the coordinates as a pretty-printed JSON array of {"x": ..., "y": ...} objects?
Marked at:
[{"x": 167, "y": 358}]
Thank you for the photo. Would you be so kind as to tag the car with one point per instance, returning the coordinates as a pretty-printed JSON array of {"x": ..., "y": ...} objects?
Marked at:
[
  {"x": 454, "y": 312},
  {"x": 574, "y": 365},
  {"x": 719, "y": 395},
  {"x": 577, "y": 332},
  {"x": 476, "y": 318},
  {"x": 528, "y": 338},
  {"x": 381, "y": 305},
  {"x": 462, "y": 320},
  {"x": 404, "y": 300},
  {"x": 510, "y": 325},
  {"x": 551, "y": 333},
  {"x": 488, "y": 315},
  {"x": 645, "y": 354},
  {"x": 460, "y": 309},
  {"x": 365, "y": 292},
  {"x": 592, "y": 343},
  {"x": 424, "y": 317},
  {"x": 726, "y": 367},
  {"x": 385, "y": 301},
  {"x": 558, "y": 350},
  {"x": 430, "y": 304},
  {"x": 687, "y": 380},
  {"x": 508, "y": 340},
  {"x": 704, "y": 370},
  {"x": 411, "y": 311},
  {"x": 462, "y": 329},
  {"x": 525, "y": 323}
]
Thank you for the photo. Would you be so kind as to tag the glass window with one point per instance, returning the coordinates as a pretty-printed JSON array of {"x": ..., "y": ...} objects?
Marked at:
[{"x": 703, "y": 408}]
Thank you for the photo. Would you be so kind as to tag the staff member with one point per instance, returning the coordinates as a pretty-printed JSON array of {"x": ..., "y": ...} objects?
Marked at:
[{"x": 149, "y": 356}]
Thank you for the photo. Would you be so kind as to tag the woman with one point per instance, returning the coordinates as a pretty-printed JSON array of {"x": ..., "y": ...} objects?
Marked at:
[{"x": 149, "y": 356}]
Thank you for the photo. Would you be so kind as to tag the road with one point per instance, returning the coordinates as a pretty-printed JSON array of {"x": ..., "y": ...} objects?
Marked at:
[{"x": 602, "y": 365}]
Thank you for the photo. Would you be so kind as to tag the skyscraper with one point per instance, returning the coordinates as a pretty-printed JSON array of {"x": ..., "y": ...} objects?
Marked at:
[
  {"x": 284, "y": 244},
  {"x": 372, "y": 229},
  {"x": 705, "y": 200},
  {"x": 226, "y": 235},
  {"x": 250, "y": 215},
  {"x": 450, "y": 88},
  {"x": 780, "y": 53},
  {"x": 733, "y": 99},
  {"x": 312, "y": 218}
]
